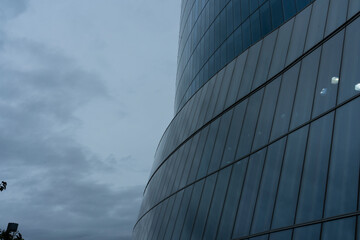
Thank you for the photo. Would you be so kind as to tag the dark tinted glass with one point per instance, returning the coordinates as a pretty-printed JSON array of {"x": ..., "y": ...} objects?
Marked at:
[
  {"x": 342, "y": 190},
  {"x": 312, "y": 190},
  {"x": 232, "y": 199},
  {"x": 249, "y": 194},
  {"x": 268, "y": 187}
]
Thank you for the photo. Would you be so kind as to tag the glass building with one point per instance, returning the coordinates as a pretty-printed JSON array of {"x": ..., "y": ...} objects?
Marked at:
[{"x": 265, "y": 141}]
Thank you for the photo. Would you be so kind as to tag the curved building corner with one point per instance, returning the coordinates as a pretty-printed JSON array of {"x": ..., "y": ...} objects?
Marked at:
[{"x": 265, "y": 141}]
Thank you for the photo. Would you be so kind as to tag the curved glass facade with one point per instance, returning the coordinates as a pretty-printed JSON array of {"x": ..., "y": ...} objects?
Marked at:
[
  {"x": 269, "y": 146},
  {"x": 214, "y": 32}
]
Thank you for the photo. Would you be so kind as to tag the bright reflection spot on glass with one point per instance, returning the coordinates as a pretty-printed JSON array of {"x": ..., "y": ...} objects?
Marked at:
[
  {"x": 334, "y": 80},
  {"x": 323, "y": 92},
  {"x": 357, "y": 87}
]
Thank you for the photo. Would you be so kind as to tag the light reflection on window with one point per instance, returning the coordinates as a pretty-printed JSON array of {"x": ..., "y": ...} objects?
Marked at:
[
  {"x": 323, "y": 92},
  {"x": 357, "y": 87},
  {"x": 334, "y": 80}
]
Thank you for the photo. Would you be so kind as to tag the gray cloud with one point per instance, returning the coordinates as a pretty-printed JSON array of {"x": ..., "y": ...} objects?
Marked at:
[{"x": 51, "y": 192}]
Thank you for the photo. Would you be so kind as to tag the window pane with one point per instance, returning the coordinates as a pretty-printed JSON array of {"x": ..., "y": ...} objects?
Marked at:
[
  {"x": 249, "y": 70},
  {"x": 246, "y": 36},
  {"x": 317, "y": 23},
  {"x": 350, "y": 72},
  {"x": 268, "y": 188},
  {"x": 285, "y": 102},
  {"x": 337, "y": 15},
  {"x": 289, "y": 9},
  {"x": 192, "y": 209},
  {"x": 266, "y": 115},
  {"x": 343, "y": 229},
  {"x": 265, "y": 19},
  {"x": 210, "y": 140},
  {"x": 204, "y": 207},
  {"x": 326, "y": 88},
  {"x": 174, "y": 212},
  {"x": 287, "y": 196},
  {"x": 285, "y": 235},
  {"x": 298, "y": 37},
  {"x": 217, "y": 203},
  {"x": 248, "y": 129},
  {"x": 281, "y": 48},
  {"x": 197, "y": 157},
  {"x": 305, "y": 89},
  {"x": 220, "y": 142},
  {"x": 342, "y": 190},
  {"x": 312, "y": 191},
  {"x": 232, "y": 199},
  {"x": 236, "y": 79},
  {"x": 255, "y": 27},
  {"x": 249, "y": 193},
  {"x": 276, "y": 13},
  {"x": 307, "y": 233},
  {"x": 182, "y": 212},
  {"x": 234, "y": 133},
  {"x": 263, "y": 64}
]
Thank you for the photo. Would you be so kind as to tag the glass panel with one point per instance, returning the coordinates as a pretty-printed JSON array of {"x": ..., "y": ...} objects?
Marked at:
[
  {"x": 289, "y": 9},
  {"x": 234, "y": 133},
  {"x": 307, "y": 233},
  {"x": 220, "y": 142},
  {"x": 277, "y": 16},
  {"x": 189, "y": 161},
  {"x": 236, "y": 79},
  {"x": 224, "y": 87},
  {"x": 245, "y": 10},
  {"x": 166, "y": 217},
  {"x": 300, "y": 4},
  {"x": 210, "y": 141},
  {"x": 342, "y": 189},
  {"x": 217, "y": 203},
  {"x": 249, "y": 70},
  {"x": 285, "y": 102},
  {"x": 263, "y": 64},
  {"x": 312, "y": 190},
  {"x": 343, "y": 229},
  {"x": 249, "y": 193},
  {"x": 266, "y": 114},
  {"x": 326, "y": 88},
  {"x": 191, "y": 212},
  {"x": 337, "y": 15},
  {"x": 268, "y": 188},
  {"x": 265, "y": 19},
  {"x": 232, "y": 200},
  {"x": 354, "y": 7},
  {"x": 287, "y": 195},
  {"x": 255, "y": 27},
  {"x": 202, "y": 213},
  {"x": 246, "y": 37},
  {"x": 285, "y": 235},
  {"x": 215, "y": 95},
  {"x": 197, "y": 157},
  {"x": 182, "y": 212},
  {"x": 305, "y": 89},
  {"x": 317, "y": 23},
  {"x": 281, "y": 48},
  {"x": 248, "y": 129},
  {"x": 350, "y": 71},
  {"x": 298, "y": 37},
  {"x": 237, "y": 14},
  {"x": 174, "y": 212}
]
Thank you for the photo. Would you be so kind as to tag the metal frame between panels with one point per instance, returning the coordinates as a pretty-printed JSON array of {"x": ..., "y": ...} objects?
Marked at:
[
  {"x": 279, "y": 74},
  {"x": 179, "y": 185}
]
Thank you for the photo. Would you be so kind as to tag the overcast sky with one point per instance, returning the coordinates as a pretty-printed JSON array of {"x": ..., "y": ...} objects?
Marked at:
[{"x": 86, "y": 91}]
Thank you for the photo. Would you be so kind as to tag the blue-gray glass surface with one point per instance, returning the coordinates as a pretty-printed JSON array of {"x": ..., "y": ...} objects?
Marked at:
[{"x": 210, "y": 33}]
